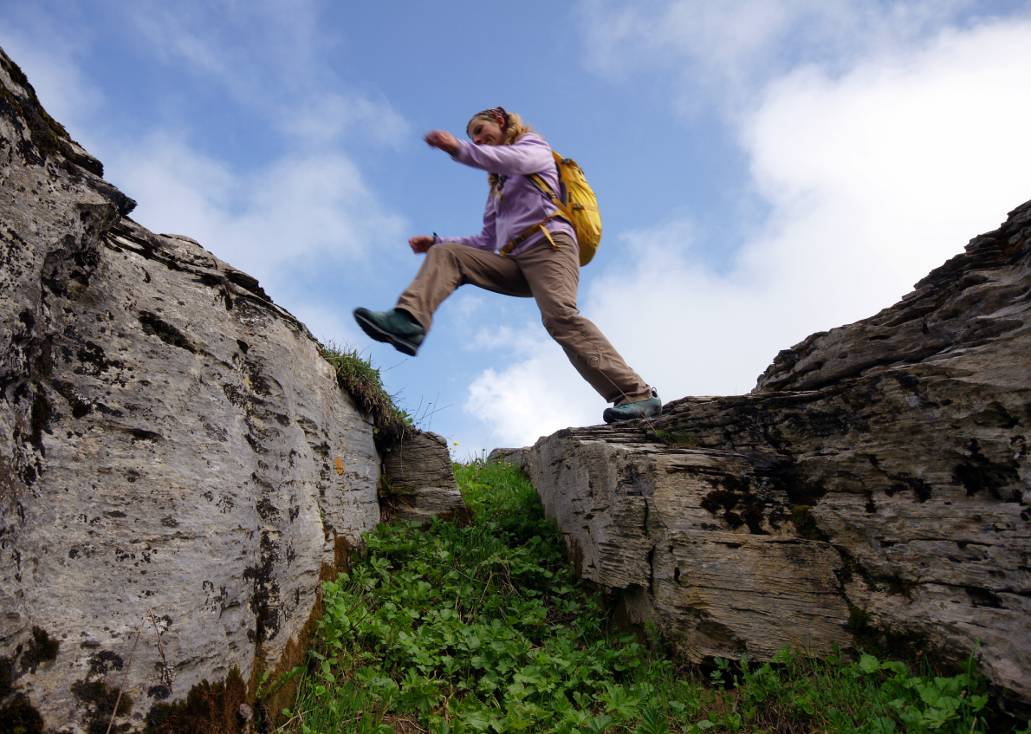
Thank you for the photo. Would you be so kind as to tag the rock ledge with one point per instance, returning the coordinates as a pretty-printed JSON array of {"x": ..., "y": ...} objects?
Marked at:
[{"x": 876, "y": 482}]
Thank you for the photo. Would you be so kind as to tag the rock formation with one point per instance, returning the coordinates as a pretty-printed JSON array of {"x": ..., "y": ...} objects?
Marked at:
[
  {"x": 876, "y": 482},
  {"x": 420, "y": 483},
  {"x": 178, "y": 466}
]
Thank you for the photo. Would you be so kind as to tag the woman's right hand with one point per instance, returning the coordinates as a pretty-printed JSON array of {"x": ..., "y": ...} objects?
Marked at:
[
  {"x": 420, "y": 243},
  {"x": 442, "y": 139}
]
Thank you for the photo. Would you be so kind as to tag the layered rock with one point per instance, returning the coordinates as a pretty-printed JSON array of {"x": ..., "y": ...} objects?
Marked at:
[
  {"x": 178, "y": 466},
  {"x": 876, "y": 481},
  {"x": 419, "y": 479}
]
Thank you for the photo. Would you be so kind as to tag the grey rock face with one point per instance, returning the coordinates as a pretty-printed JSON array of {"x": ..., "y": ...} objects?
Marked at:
[
  {"x": 177, "y": 463},
  {"x": 876, "y": 482}
]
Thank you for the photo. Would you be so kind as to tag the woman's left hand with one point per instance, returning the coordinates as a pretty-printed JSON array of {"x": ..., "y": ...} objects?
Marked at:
[{"x": 444, "y": 140}]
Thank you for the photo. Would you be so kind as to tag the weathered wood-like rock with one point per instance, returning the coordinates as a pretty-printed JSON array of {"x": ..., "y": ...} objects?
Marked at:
[
  {"x": 178, "y": 466},
  {"x": 876, "y": 482},
  {"x": 419, "y": 481},
  {"x": 514, "y": 457}
]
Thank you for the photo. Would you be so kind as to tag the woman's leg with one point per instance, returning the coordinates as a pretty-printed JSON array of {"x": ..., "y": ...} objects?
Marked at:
[
  {"x": 553, "y": 277},
  {"x": 448, "y": 266}
]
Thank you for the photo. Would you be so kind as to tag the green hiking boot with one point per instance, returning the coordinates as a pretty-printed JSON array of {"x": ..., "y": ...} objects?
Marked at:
[
  {"x": 647, "y": 408},
  {"x": 395, "y": 327}
]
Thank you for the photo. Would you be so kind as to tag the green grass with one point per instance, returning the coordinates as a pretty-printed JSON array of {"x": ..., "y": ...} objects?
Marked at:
[
  {"x": 362, "y": 381},
  {"x": 483, "y": 628}
]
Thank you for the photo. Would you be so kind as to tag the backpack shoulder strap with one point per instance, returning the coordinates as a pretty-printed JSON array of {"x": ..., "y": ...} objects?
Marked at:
[
  {"x": 538, "y": 180},
  {"x": 541, "y": 184}
]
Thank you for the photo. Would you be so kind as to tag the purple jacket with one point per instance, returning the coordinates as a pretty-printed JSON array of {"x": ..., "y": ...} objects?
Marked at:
[{"x": 520, "y": 203}]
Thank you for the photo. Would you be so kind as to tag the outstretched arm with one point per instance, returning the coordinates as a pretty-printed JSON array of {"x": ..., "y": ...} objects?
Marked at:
[
  {"x": 529, "y": 154},
  {"x": 482, "y": 241}
]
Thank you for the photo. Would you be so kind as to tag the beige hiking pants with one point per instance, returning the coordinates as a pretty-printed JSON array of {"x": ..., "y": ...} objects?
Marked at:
[{"x": 551, "y": 276}]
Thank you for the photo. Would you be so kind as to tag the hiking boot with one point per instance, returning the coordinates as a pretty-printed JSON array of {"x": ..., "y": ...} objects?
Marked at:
[
  {"x": 646, "y": 408},
  {"x": 395, "y": 327}
]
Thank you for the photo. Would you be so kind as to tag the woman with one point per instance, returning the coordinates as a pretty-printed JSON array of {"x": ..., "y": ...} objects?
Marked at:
[{"x": 523, "y": 250}]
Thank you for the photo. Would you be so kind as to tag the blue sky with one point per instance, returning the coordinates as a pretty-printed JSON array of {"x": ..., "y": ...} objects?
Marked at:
[{"x": 765, "y": 169}]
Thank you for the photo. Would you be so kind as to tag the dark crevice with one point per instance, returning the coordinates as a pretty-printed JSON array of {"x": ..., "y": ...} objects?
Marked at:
[{"x": 156, "y": 326}]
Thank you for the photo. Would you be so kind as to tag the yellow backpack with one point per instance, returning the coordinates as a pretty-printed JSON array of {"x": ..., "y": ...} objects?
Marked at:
[{"x": 577, "y": 204}]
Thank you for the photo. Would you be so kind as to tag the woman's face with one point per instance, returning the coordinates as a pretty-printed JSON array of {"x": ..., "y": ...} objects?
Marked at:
[{"x": 485, "y": 132}]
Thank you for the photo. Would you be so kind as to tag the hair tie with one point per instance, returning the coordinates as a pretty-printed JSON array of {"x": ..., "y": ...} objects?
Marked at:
[{"x": 493, "y": 113}]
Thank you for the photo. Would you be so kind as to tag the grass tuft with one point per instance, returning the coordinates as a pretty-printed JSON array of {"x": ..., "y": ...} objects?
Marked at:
[{"x": 362, "y": 381}]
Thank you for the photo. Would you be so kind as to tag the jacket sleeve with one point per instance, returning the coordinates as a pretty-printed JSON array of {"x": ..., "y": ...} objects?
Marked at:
[
  {"x": 530, "y": 154},
  {"x": 485, "y": 239}
]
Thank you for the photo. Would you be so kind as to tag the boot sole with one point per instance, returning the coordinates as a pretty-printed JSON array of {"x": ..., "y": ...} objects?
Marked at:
[{"x": 380, "y": 335}]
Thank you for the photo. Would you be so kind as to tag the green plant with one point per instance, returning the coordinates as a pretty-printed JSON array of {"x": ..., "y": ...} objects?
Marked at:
[
  {"x": 676, "y": 438},
  {"x": 483, "y": 628},
  {"x": 356, "y": 375},
  {"x": 928, "y": 703}
]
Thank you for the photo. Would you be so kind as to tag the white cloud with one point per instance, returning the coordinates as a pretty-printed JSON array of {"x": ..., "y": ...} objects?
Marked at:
[
  {"x": 503, "y": 337},
  {"x": 310, "y": 205},
  {"x": 893, "y": 166},
  {"x": 331, "y": 326},
  {"x": 334, "y": 116},
  {"x": 292, "y": 212},
  {"x": 247, "y": 48},
  {"x": 722, "y": 52},
  {"x": 518, "y": 401},
  {"x": 62, "y": 89},
  {"x": 467, "y": 305},
  {"x": 272, "y": 62},
  {"x": 874, "y": 175},
  {"x": 307, "y": 205}
]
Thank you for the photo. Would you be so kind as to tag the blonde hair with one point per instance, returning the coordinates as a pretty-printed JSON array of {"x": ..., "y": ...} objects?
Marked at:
[{"x": 513, "y": 128}]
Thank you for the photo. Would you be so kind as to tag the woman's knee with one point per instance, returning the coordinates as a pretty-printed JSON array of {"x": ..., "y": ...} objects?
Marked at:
[
  {"x": 445, "y": 258},
  {"x": 560, "y": 322},
  {"x": 446, "y": 250}
]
